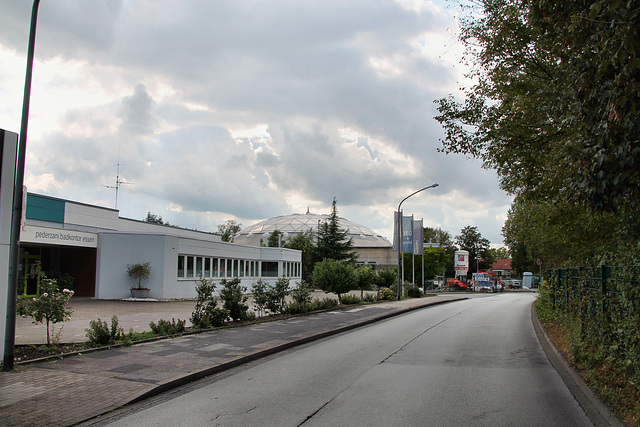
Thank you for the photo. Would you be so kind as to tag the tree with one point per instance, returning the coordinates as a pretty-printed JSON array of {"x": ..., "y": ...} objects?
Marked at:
[
  {"x": 155, "y": 219},
  {"x": 555, "y": 106},
  {"x": 335, "y": 276},
  {"x": 274, "y": 239},
  {"x": 435, "y": 262},
  {"x": 140, "y": 271},
  {"x": 443, "y": 238},
  {"x": 334, "y": 242},
  {"x": 365, "y": 279},
  {"x": 471, "y": 240},
  {"x": 304, "y": 242},
  {"x": 229, "y": 229}
]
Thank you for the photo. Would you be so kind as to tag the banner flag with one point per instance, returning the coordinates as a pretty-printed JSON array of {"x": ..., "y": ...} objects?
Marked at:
[
  {"x": 407, "y": 234},
  {"x": 417, "y": 237},
  {"x": 396, "y": 229}
]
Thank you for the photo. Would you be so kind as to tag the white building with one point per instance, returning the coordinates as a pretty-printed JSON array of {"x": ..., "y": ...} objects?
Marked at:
[{"x": 95, "y": 246}]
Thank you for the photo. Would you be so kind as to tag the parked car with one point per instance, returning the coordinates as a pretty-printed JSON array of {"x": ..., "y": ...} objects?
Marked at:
[{"x": 515, "y": 284}]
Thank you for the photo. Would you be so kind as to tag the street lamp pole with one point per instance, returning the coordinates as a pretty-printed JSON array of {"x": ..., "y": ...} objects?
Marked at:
[
  {"x": 16, "y": 215},
  {"x": 401, "y": 238}
]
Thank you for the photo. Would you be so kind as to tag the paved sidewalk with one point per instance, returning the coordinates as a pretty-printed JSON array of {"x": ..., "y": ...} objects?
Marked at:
[{"x": 78, "y": 388}]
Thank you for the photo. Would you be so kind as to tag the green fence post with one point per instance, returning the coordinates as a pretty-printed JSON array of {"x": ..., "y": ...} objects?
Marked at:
[{"x": 606, "y": 275}]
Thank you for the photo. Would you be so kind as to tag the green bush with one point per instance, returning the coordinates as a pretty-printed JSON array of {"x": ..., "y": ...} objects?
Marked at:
[
  {"x": 206, "y": 314},
  {"x": 349, "y": 299},
  {"x": 164, "y": 327},
  {"x": 369, "y": 298},
  {"x": 338, "y": 277},
  {"x": 99, "y": 333},
  {"x": 301, "y": 294},
  {"x": 322, "y": 304},
  {"x": 414, "y": 292},
  {"x": 259, "y": 293},
  {"x": 295, "y": 307},
  {"x": 50, "y": 307},
  {"x": 277, "y": 294},
  {"x": 233, "y": 299},
  {"x": 386, "y": 294}
]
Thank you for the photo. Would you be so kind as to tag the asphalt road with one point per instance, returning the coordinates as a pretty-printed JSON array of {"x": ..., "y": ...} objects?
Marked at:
[{"x": 475, "y": 362}]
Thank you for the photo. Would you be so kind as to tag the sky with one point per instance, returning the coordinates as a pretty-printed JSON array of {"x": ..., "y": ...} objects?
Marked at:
[{"x": 244, "y": 110}]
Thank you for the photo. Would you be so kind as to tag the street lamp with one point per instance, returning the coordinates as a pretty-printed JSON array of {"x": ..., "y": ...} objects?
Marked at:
[
  {"x": 16, "y": 214},
  {"x": 400, "y": 237}
]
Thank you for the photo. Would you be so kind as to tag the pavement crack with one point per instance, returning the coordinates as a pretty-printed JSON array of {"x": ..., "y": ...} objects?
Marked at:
[{"x": 419, "y": 335}]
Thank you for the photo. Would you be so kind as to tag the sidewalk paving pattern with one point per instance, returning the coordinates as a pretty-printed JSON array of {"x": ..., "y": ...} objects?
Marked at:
[{"x": 77, "y": 388}]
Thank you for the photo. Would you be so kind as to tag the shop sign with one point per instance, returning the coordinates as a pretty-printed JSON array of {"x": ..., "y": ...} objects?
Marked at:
[{"x": 58, "y": 236}]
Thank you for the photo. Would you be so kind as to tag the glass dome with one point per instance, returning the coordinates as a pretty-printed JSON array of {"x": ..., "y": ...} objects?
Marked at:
[{"x": 290, "y": 225}]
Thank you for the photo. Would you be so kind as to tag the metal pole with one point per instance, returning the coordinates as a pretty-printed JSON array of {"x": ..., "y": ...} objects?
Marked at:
[
  {"x": 400, "y": 237},
  {"x": 16, "y": 215}
]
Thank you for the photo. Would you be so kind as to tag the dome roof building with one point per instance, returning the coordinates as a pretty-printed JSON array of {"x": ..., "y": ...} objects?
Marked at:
[{"x": 372, "y": 248}]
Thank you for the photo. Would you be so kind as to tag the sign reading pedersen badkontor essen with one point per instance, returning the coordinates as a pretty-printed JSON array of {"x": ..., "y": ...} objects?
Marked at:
[{"x": 58, "y": 236}]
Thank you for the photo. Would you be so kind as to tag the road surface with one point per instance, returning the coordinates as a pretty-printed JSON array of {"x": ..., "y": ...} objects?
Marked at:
[{"x": 469, "y": 363}]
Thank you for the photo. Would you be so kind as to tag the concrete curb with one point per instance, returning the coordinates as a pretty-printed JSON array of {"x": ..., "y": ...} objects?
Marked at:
[
  {"x": 597, "y": 411},
  {"x": 178, "y": 382}
]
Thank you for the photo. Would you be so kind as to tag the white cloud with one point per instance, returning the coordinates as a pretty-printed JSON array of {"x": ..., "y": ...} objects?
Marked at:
[{"x": 245, "y": 110}]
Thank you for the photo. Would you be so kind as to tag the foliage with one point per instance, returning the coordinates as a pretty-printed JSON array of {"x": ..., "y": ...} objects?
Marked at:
[
  {"x": 301, "y": 293},
  {"x": 365, "y": 279},
  {"x": 259, "y": 292},
  {"x": 350, "y": 299},
  {"x": 387, "y": 294},
  {"x": 233, "y": 298},
  {"x": 229, "y": 229},
  {"x": 333, "y": 242},
  {"x": 387, "y": 277},
  {"x": 560, "y": 233},
  {"x": 140, "y": 271},
  {"x": 50, "y": 307},
  {"x": 99, "y": 333},
  {"x": 555, "y": 106},
  {"x": 323, "y": 304},
  {"x": 206, "y": 314},
  {"x": 369, "y": 298},
  {"x": 471, "y": 240},
  {"x": 164, "y": 327},
  {"x": 597, "y": 311},
  {"x": 435, "y": 262},
  {"x": 277, "y": 294},
  {"x": 334, "y": 276},
  {"x": 414, "y": 292},
  {"x": 275, "y": 239},
  {"x": 304, "y": 242},
  {"x": 155, "y": 219},
  {"x": 65, "y": 281}
]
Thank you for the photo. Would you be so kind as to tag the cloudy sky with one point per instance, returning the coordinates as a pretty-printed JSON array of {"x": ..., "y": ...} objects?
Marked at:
[{"x": 245, "y": 109}]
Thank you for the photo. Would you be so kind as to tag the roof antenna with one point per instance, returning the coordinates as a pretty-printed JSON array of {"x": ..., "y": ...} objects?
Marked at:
[{"x": 118, "y": 180}]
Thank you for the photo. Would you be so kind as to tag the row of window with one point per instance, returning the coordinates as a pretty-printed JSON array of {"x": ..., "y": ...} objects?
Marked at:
[{"x": 198, "y": 266}]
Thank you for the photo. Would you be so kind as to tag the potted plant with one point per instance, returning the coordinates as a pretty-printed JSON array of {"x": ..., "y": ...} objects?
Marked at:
[{"x": 140, "y": 271}]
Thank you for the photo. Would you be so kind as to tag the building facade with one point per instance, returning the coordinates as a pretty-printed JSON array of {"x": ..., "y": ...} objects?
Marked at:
[{"x": 94, "y": 245}]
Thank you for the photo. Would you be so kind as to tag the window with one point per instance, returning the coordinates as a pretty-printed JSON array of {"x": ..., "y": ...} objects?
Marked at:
[
  {"x": 189, "y": 266},
  {"x": 180, "y": 266},
  {"x": 198, "y": 266},
  {"x": 214, "y": 267},
  {"x": 269, "y": 269},
  {"x": 207, "y": 268}
]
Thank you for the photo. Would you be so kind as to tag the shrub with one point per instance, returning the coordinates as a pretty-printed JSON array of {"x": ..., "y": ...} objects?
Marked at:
[
  {"x": 164, "y": 327},
  {"x": 301, "y": 294},
  {"x": 232, "y": 295},
  {"x": 277, "y": 294},
  {"x": 350, "y": 299},
  {"x": 334, "y": 276},
  {"x": 323, "y": 304},
  {"x": 260, "y": 296},
  {"x": 99, "y": 333},
  {"x": 206, "y": 314},
  {"x": 369, "y": 298},
  {"x": 49, "y": 307},
  {"x": 139, "y": 272},
  {"x": 386, "y": 294},
  {"x": 414, "y": 292},
  {"x": 294, "y": 307}
]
